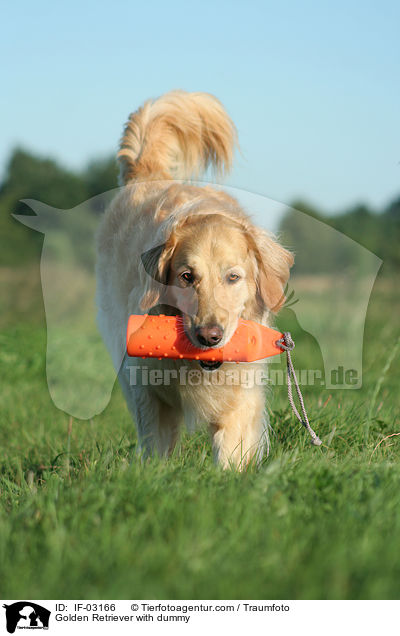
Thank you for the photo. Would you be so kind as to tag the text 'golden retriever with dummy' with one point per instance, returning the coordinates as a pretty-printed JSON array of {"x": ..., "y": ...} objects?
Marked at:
[{"x": 166, "y": 246}]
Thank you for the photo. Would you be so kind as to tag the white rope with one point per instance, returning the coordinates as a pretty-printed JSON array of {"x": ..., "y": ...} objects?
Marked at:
[{"x": 286, "y": 344}]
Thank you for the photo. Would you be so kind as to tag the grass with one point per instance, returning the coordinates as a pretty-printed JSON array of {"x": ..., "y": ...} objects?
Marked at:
[{"x": 80, "y": 519}]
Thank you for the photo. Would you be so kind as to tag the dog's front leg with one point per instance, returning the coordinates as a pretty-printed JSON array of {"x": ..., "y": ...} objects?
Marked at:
[
  {"x": 240, "y": 434},
  {"x": 157, "y": 422}
]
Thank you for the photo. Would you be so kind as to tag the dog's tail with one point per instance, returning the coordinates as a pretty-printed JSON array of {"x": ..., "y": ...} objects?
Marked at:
[{"x": 176, "y": 137}]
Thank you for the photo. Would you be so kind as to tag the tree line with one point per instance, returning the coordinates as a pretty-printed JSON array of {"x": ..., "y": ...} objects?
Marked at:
[{"x": 33, "y": 177}]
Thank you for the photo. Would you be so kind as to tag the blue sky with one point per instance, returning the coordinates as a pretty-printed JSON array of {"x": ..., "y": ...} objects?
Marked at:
[{"x": 313, "y": 87}]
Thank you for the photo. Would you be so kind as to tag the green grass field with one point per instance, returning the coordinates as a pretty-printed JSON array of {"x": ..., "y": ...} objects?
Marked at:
[{"x": 79, "y": 519}]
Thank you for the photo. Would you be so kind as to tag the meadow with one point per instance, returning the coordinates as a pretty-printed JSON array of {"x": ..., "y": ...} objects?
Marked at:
[{"x": 81, "y": 517}]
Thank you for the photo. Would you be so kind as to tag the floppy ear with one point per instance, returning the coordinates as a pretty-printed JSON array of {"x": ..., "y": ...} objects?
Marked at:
[
  {"x": 156, "y": 264},
  {"x": 274, "y": 263}
]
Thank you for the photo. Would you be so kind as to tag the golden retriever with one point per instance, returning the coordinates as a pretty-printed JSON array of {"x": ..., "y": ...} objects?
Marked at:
[{"x": 166, "y": 246}]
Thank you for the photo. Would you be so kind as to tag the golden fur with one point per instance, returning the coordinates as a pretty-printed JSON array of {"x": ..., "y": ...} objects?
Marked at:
[{"x": 157, "y": 232}]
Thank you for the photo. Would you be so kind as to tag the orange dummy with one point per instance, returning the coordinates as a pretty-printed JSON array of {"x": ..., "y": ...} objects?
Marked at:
[{"x": 164, "y": 337}]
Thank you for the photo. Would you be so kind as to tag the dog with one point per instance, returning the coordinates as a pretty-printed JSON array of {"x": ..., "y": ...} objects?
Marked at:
[{"x": 167, "y": 246}]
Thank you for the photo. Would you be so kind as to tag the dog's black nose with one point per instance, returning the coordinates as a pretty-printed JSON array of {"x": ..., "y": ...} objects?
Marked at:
[{"x": 209, "y": 336}]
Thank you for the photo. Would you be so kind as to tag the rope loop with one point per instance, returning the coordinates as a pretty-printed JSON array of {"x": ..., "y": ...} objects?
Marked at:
[{"x": 287, "y": 344}]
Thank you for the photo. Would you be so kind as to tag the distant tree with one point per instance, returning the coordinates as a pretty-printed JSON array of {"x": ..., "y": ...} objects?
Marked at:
[
  {"x": 391, "y": 233},
  {"x": 393, "y": 210},
  {"x": 313, "y": 251},
  {"x": 362, "y": 225},
  {"x": 101, "y": 175},
  {"x": 322, "y": 252},
  {"x": 307, "y": 208},
  {"x": 31, "y": 177}
]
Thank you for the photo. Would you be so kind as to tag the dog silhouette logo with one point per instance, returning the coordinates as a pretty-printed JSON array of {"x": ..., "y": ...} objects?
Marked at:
[{"x": 26, "y": 615}]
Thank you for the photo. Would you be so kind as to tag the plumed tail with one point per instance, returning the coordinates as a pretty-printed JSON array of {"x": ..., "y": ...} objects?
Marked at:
[{"x": 177, "y": 136}]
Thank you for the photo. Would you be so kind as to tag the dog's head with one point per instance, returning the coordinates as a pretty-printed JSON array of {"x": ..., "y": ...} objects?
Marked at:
[{"x": 217, "y": 268}]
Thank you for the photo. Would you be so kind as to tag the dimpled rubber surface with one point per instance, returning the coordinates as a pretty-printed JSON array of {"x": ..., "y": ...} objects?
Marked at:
[{"x": 164, "y": 337}]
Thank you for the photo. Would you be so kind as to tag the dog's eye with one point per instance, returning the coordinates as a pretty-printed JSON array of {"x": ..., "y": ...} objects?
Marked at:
[
  {"x": 233, "y": 278},
  {"x": 187, "y": 277}
]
